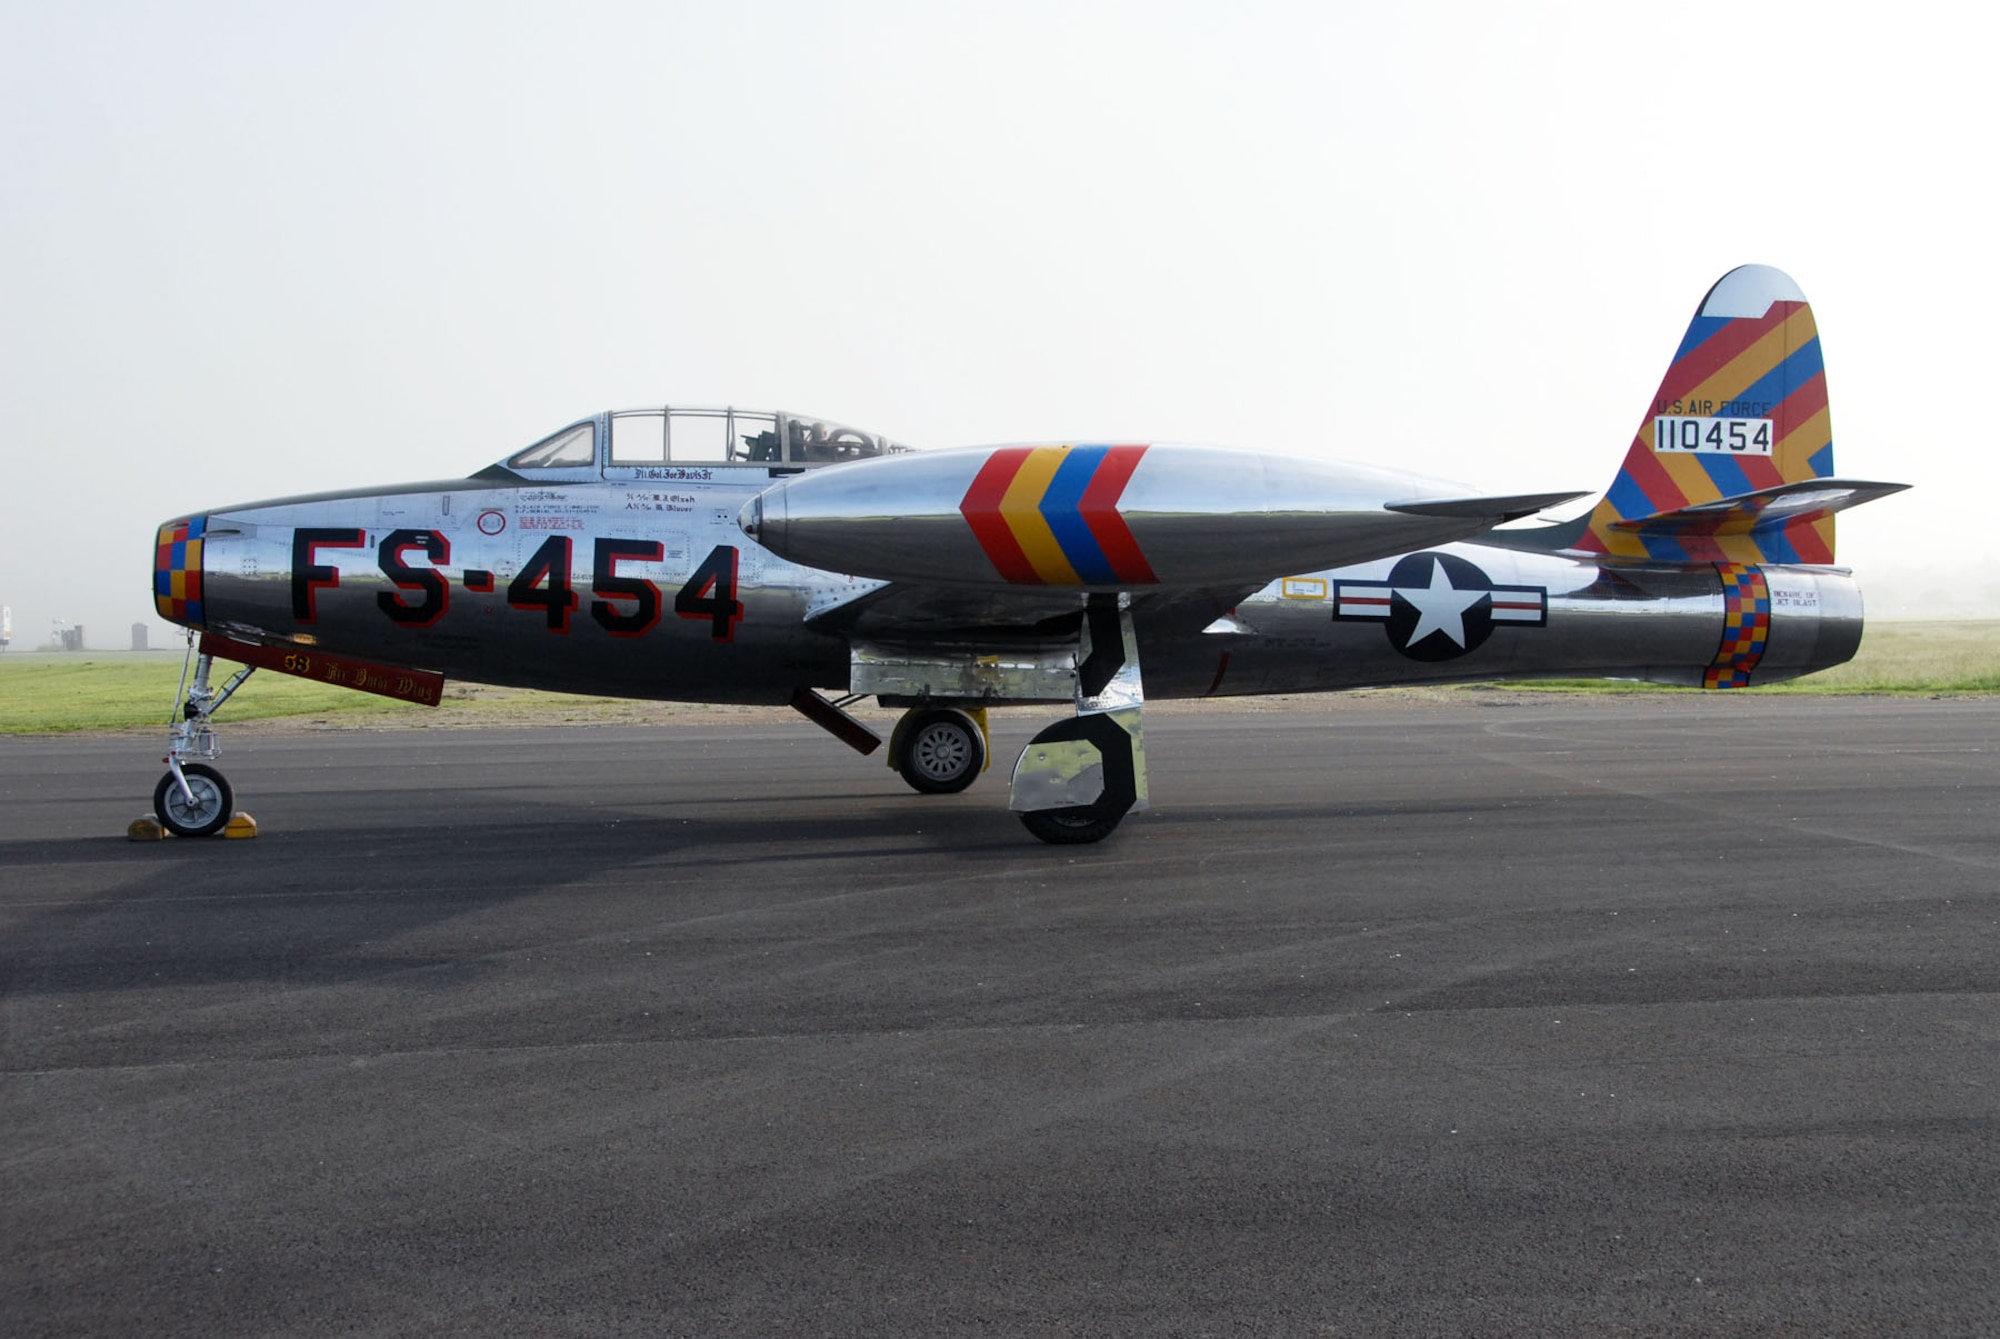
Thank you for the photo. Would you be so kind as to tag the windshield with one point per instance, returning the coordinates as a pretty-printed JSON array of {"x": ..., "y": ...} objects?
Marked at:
[{"x": 567, "y": 449}]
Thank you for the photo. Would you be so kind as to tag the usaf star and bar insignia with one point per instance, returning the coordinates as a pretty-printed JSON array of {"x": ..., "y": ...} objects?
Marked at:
[{"x": 1436, "y": 606}]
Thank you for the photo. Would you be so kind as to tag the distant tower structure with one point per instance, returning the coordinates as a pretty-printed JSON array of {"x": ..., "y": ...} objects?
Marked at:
[
  {"x": 69, "y": 637},
  {"x": 138, "y": 636},
  {"x": 6, "y": 625}
]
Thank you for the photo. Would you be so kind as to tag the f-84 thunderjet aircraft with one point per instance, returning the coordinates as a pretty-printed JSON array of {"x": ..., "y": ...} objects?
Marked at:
[{"x": 723, "y": 555}]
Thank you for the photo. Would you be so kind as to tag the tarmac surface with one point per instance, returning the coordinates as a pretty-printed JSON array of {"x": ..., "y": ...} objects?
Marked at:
[{"x": 1505, "y": 1014}]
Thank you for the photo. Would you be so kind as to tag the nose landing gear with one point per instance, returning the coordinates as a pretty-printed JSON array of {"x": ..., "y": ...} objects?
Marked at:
[{"x": 193, "y": 799}]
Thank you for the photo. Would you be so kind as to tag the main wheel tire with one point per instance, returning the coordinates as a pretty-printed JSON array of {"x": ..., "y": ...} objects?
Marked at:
[
  {"x": 1077, "y": 826},
  {"x": 214, "y": 802},
  {"x": 943, "y": 751}
]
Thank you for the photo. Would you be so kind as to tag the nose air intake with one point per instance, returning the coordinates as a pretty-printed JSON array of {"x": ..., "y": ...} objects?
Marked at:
[{"x": 177, "y": 592}]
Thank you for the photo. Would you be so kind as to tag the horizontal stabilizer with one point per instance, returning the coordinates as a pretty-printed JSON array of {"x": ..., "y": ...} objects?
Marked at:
[
  {"x": 1492, "y": 509},
  {"x": 1803, "y": 501}
]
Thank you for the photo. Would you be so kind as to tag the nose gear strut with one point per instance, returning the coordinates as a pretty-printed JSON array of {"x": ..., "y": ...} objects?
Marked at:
[{"x": 193, "y": 799}]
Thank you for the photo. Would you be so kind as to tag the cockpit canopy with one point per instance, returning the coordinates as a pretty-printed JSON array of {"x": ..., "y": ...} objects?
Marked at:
[{"x": 635, "y": 443}]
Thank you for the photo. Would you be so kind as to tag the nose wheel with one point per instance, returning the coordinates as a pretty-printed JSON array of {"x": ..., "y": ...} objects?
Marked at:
[
  {"x": 200, "y": 809},
  {"x": 192, "y": 799}
]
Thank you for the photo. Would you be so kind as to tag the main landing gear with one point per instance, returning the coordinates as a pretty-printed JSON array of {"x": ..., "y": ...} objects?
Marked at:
[
  {"x": 939, "y": 750},
  {"x": 1077, "y": 779},
  {"x": 1074, "y": 782},
  {"x": 193, "y": 799}
]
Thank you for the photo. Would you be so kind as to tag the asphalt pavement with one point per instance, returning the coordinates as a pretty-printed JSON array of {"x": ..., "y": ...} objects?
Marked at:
[{"x": 1495, "y": 1014}]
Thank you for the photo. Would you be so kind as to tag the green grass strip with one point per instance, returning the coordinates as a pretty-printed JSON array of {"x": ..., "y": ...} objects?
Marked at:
[
  {"x": 51, "y": 694},
  {"x": 54, "y": 693},
  {"x": 1915, "y": 659}
]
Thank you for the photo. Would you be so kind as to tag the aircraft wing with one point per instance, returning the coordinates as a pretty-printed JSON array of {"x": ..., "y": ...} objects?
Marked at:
[
  {"x": 989, "y": 557},
  {"x": 1487, "y": 511},
  {"x": 965, "y": 616},
  {"x": 1131, "y": 518}
]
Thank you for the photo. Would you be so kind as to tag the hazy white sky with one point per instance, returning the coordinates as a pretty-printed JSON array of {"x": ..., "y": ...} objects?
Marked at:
[{"x": 255, "y": 249}]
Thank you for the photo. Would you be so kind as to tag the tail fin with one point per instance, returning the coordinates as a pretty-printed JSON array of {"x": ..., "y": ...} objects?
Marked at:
[{"x": 1723, "y": 467}]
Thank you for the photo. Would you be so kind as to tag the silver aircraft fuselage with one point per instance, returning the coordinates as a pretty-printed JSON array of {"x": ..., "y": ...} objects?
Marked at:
[
  {"x": 725, "y": 555},
  {"x": 641, "y": 583}
]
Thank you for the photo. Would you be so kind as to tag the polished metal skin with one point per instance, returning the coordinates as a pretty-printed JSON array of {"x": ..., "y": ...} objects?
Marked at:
[{"x": 357, "y": 594}]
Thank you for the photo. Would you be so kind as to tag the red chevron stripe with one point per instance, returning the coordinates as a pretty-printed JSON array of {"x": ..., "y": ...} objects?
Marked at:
[
  {"x": 981, "y": 509},
  {"x": 1761, "y": 471},
  {"x": 1806, "y": 542},
  {"x": 1706, "y": 359},
  {"x": 1099, "y": 508},
  {"x": 1807, "y": 399},
  {"x": 1651, "y": 476}
]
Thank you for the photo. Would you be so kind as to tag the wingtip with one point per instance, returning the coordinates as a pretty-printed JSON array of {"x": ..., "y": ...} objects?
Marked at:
[{"x": 1497, "y": 510}]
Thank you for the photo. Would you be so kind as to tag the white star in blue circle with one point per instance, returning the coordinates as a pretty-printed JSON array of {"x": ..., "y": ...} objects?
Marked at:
[{"x": 1440, "y": 606}]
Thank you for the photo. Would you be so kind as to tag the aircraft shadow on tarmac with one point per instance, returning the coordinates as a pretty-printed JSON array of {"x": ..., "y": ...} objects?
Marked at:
[{"x": 301, "y": 905}]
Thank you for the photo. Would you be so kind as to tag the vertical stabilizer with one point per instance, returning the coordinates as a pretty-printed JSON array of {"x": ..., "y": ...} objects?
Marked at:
[{"x": 1742, "y": 409}]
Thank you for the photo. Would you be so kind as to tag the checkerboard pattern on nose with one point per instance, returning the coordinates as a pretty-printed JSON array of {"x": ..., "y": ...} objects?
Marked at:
[{"x": 177, "y": 571}]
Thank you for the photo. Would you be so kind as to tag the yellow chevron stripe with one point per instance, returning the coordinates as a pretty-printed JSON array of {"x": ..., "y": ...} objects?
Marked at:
[
  {"x": 1748, "y": 367},
  {"x": 1620, "y": 543},
  {"x": 1738, "y": 375},
  {"x": 1800, "y": 443},
  {"x": 1020, "y": 507},
  {"x": 1690, "y": 477}
]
